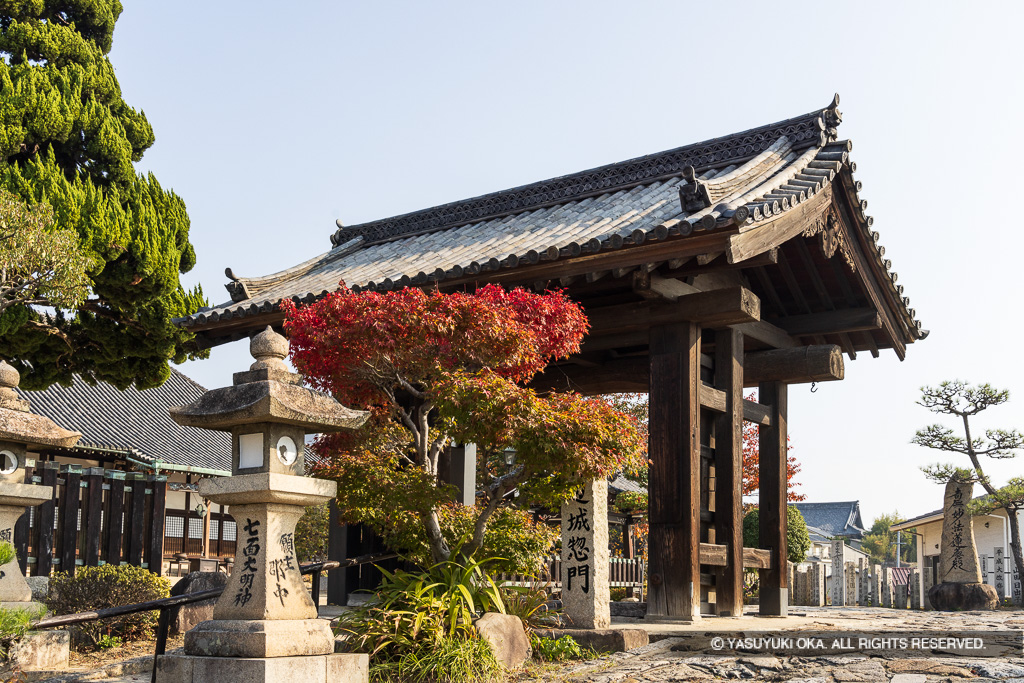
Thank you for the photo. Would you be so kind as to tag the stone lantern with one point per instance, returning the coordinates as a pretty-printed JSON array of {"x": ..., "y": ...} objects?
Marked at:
[
  {"x": 19, "y": 431},
  {"x": 265, "y": 625}
]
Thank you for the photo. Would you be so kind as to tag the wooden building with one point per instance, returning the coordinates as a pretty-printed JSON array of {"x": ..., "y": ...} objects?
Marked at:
[
  {"x": 133, "y": 464},
  {"x": 743, "y": 261}
]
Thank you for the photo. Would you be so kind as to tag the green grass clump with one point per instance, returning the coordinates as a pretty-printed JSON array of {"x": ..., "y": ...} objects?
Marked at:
[{"x": 419, "y": 626}]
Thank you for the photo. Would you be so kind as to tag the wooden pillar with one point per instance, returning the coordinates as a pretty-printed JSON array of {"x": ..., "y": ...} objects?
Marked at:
[
  {"x": 729, "y": 472},
  {"x": 47, "y": 512},
  {"x": 774, "y": 593},
  {"x": 157, "y": 516},
  {"x": 68, "y": 525},
  {"x": 93, "y": 516},
  {"x": 188, "y": 515},
  {"x": 115, "y": 518},
  {"x": 137, "y": 524},
  {"x": 336, "y": 540},
  {"x": 674, "y": 488}
]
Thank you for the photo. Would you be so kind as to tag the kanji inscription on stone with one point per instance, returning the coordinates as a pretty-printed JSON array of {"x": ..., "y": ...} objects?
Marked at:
[{"x": 585, "y": 591}]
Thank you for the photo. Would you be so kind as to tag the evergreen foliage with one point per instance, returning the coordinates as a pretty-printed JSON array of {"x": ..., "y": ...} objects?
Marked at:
[
  {"x": 69, "y": 140},
  {"x": 880, "y": 542},
  {"x": 798, "y": 539}
]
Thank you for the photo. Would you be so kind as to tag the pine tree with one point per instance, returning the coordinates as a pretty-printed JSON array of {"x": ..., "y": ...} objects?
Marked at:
[{"x": 68, "y": 139}]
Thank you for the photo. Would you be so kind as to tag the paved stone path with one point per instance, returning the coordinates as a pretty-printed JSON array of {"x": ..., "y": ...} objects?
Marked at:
[{"x": 671, "y": 657}]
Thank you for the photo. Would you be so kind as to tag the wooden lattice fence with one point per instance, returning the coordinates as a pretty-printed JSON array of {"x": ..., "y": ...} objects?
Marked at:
[{"x": 74, "y": 528}]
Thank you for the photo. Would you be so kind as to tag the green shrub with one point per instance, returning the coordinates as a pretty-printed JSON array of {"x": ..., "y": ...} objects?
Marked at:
[
  {"x": 561, "y": 650},
  {"x": 449, "y": 660},
  {"x": 630, "y": 501},
  {"x": 108, "y": 642},
  {"x": 529, "y": 604},
  {"x": 93, "y": 588},
  {"x": 419, "y": 627},
  {"x": 798, "y": 539},
  {"x": 6, "y": 552},
  {"x": 618, "y": 594}
]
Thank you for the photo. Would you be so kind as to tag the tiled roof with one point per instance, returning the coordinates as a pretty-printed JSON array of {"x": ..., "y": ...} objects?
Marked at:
[
  {"x": 737, "y": 180},
  {"x": 834, "y": 519},
  {"x": 133, "y": 420},
  {"x": 620, "y": 484}
]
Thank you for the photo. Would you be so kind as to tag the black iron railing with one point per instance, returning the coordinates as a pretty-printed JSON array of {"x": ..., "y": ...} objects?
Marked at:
[{"x": 166, "y": 604}]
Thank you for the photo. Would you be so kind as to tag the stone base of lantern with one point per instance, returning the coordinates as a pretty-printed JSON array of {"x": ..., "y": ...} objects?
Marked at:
[
  {"x": 332, "y": 668},
  {"x": 255, "y": 638}
]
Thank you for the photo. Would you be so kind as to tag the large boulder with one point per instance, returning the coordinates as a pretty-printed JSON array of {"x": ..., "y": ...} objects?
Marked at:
[
  {"x": 507, "y": 638},
  {"x": 185, "y": 617},
  {"x": 963, "y": 597}
]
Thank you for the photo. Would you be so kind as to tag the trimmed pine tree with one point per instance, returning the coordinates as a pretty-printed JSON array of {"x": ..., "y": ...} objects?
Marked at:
[{"x": 68, "y": 139}]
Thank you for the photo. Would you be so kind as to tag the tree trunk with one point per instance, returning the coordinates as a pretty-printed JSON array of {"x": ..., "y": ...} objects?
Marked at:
[
  {"x": 1015, "y": 548},
  {"x": 439, "y": 550}
]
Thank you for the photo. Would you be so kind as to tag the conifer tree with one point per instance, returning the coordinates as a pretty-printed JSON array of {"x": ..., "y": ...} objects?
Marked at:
[{"x": 69, "y": 140}]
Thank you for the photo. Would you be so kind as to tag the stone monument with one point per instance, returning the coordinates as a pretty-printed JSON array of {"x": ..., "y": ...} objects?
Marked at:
[
  {"x": 838, "y": 592},
  {"x": 818, "y": 584},
  {"x": 960, "y": 586},
  {"x": 265, "y": 626},
  {"x": 585, "y": 591},
  {"x": 19, "y": 431}
]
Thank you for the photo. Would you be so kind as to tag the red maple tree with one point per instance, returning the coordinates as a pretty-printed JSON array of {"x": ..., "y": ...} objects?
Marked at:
[{"x": 441, "y": 368}]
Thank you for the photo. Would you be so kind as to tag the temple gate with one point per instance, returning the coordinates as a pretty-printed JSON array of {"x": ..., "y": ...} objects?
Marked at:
[{"x": 743, "y": 261}]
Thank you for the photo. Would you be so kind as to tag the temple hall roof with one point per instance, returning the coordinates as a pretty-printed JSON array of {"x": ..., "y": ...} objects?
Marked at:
[
  {"x": 134, "y": 423},
  {"x": 834, "y": 519},
  {"x": 728, "y": 186}
]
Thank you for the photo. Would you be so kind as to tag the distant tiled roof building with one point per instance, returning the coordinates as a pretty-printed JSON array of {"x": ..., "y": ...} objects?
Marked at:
[
  {"x": 134, "y": 426},
  {"x": 834, "y": 519}
]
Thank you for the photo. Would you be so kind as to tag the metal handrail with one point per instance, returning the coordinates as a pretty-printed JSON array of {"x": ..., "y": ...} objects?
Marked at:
[{"x": 166, "y": 604}]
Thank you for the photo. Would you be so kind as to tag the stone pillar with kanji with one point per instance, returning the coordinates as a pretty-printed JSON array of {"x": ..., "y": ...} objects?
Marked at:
[
  {"x": 585, "y": 589},
  {"x": 265, "y": 625},
  {"x": 960, "y": 587}
]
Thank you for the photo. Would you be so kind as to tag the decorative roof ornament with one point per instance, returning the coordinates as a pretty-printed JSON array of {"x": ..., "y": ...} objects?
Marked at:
[
  {"x": 337, "y": 239},
  {"x": 832, "y": 117},
  {"x": 694, "y": 195}
]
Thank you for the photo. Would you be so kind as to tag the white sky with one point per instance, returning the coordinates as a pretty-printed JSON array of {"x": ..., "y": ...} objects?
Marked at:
[{"x": 271, "y": 122}]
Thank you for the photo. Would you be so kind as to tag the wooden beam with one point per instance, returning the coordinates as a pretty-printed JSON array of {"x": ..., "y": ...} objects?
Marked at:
[
  {"x": 674, "y": 480},
  {"x": 717, "y": 308},
  {"x": 830, "y": 322},
  {"x": 794, "y": 366},
  {"x": 716, "y": 400},
  {"x": 757, "y": 413},
  {"x": 777, "y": 230},
  {"x": 773, "y": 449},
  {"x": 716, "y": 555},
  {"x": 729, "y": 471},
  {"x": 766, "y": 333}
]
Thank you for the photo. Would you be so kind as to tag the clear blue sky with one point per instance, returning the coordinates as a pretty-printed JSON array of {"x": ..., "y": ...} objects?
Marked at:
[{"x": 272, "y": 121}]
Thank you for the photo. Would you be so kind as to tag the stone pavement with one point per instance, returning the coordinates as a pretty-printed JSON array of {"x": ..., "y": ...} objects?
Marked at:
[{"x": 670, "y": 656}]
